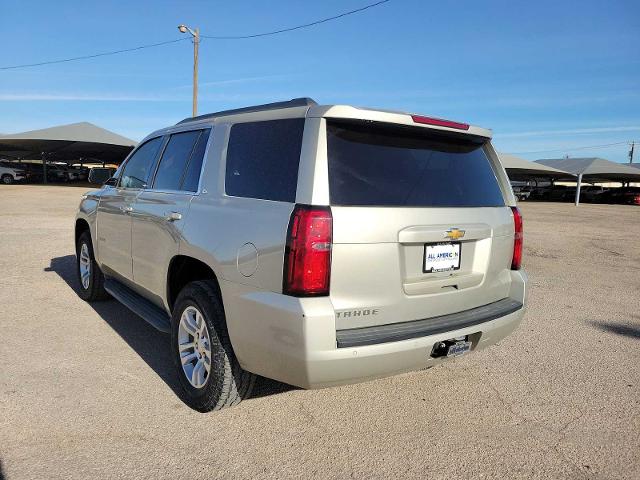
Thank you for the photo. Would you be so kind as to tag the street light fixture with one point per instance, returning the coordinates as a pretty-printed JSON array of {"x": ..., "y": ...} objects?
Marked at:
[{"x": 196, "y": 42}]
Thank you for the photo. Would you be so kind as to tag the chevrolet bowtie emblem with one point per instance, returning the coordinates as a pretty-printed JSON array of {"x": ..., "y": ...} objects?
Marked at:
[{"x": 454, "y": 233}]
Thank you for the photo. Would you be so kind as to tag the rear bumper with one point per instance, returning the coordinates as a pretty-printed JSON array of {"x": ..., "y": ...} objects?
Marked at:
[
  {"x": 294, "y": 340},
  {"x": 350, "y": 365},
  {"x": 396, "y": 332}
]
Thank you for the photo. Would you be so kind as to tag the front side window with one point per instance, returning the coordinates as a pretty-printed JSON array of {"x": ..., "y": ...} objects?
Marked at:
[
  {"x": 138, "y": 169},
  {"x": 263, "y": 159}
]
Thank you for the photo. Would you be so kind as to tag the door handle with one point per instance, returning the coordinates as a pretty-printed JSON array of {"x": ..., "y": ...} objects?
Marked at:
[
  {"x": 173, "y": 216},
  {"x": 126, "y": 209}
]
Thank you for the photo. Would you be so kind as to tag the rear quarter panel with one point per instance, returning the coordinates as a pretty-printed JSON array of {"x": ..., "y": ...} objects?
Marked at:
[{"x": 224, "y": 231}]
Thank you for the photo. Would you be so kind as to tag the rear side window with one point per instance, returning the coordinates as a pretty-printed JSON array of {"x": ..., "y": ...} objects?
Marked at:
[
  {"x": 137, "y": 171},
  {"x": 387, "y": 165},
  {"x": 263, "y": 159},
  {"x": 192, "y": 175},
  {"x": 182, "y": 158}
]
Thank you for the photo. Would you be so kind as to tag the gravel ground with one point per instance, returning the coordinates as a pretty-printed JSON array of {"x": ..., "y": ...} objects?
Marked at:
[{"x": 88, "y": 391}]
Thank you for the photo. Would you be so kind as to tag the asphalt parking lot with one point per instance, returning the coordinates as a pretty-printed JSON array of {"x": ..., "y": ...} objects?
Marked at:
[{"x": 88, "y": 391}]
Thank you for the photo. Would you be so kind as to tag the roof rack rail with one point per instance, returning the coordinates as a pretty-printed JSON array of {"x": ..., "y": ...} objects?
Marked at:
[{"x": 296, "y": 102}]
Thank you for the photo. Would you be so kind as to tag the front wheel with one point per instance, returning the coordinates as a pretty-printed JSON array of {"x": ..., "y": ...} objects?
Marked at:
[
  {"x": 7, "y": 179},
  {"x": 90, "y": 276},
  {"x": 209, "y": 372}
]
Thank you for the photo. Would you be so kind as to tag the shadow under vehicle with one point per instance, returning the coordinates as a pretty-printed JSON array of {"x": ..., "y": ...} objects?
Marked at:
[{"x": 150, "y": 344}]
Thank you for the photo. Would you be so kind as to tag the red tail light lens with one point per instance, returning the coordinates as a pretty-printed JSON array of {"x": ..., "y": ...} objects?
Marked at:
[
  {"x": 439, "y": 122},
  {"x": 516, "y": 261},
  {"x": 307, "y": 260}
]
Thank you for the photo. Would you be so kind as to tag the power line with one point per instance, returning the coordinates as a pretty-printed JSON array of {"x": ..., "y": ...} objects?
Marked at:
[
  {"x": 103, "y": 54},
  {"x": 211, "y": 37},
  {"x": 573, "y": 149},
  {"x": 306, "y": 25}
]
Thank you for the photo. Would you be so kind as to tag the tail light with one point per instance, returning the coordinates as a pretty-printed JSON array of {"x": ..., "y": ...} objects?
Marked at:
[
  {"x": 516, "y": 261},
  {"x": 307, "y": 258},
  {"x": 636, "y": 199}
]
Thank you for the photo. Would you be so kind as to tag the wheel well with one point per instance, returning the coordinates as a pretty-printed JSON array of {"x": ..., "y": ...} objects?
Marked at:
[
  {"x": 183, "y": 270},
  {"x": 81, "y": 227}
]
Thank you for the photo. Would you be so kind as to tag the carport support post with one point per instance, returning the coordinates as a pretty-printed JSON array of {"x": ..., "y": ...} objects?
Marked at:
[
  {"x": 578, "y": 189},
  {"x": 44, "y": 167}
]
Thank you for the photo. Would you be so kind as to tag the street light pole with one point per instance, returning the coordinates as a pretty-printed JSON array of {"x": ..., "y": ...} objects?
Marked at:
[{"x": 196, "y": 44}]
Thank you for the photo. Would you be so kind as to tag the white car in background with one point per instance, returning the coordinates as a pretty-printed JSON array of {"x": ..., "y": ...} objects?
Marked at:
[{"x": 10, "y": 174}]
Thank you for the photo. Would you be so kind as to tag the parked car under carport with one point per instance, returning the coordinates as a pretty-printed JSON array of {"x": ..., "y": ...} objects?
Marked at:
[
  {"x": 593, "y": 170},
  {"x": 621, "y": 195}
]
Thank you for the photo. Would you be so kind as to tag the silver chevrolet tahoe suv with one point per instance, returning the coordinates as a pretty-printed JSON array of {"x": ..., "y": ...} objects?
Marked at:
[{"x": 315, "y": 245}]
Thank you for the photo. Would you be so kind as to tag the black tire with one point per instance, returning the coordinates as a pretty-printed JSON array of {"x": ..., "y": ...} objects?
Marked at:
[
  {"x": 95, "y": 289},
  {"x": 7, "y": 179},
  {"x": 227, "y": 383}
]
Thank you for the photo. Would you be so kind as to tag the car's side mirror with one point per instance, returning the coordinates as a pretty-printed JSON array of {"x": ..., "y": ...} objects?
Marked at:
[{"x": 112, "y": 182}]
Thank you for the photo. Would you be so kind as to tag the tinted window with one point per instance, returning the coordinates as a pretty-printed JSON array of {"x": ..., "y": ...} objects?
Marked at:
[
  {"x": 390, "y": 165},
  {"x": 192, "y": 176},
  {"x": 174, "y": 160},
  {"x": 137, "y": 171},
  {"x": 263, "y": 159}
]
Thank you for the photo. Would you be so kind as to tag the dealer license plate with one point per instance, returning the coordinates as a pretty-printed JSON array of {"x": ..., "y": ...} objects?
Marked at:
[
  {"x": 441, "y": 257},
  {"x": 458, "y": 348}
]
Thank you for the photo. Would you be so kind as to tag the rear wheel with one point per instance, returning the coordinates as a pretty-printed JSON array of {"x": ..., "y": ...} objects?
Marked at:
[
  {"x": 7, "y": 179},
  {"x": 90, "y": 276},
  {"x": 209, "y": 372}
]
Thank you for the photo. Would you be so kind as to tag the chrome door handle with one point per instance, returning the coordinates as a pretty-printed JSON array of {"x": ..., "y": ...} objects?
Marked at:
[
  {"x": 126, "y": 209},
  {"x": 173, "y": 216}
]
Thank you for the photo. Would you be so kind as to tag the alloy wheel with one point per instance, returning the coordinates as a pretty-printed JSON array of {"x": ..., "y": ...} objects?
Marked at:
[
  {"x": 85, "y": 266},
  {"x": 194, "y": 347}
]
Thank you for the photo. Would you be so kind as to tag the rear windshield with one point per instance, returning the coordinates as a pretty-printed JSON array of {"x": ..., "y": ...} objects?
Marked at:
[{"x": 388, "y": 165}]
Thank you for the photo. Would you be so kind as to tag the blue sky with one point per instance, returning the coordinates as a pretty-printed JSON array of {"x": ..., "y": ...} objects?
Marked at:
[{"x": 543, "y": 75}]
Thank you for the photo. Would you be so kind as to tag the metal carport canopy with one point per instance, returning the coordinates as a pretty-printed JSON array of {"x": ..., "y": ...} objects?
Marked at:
[
  {"x": 593, "y": 169},
  {"x": 71, "y": 142},
  {"x": 519, "y": 167}
]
